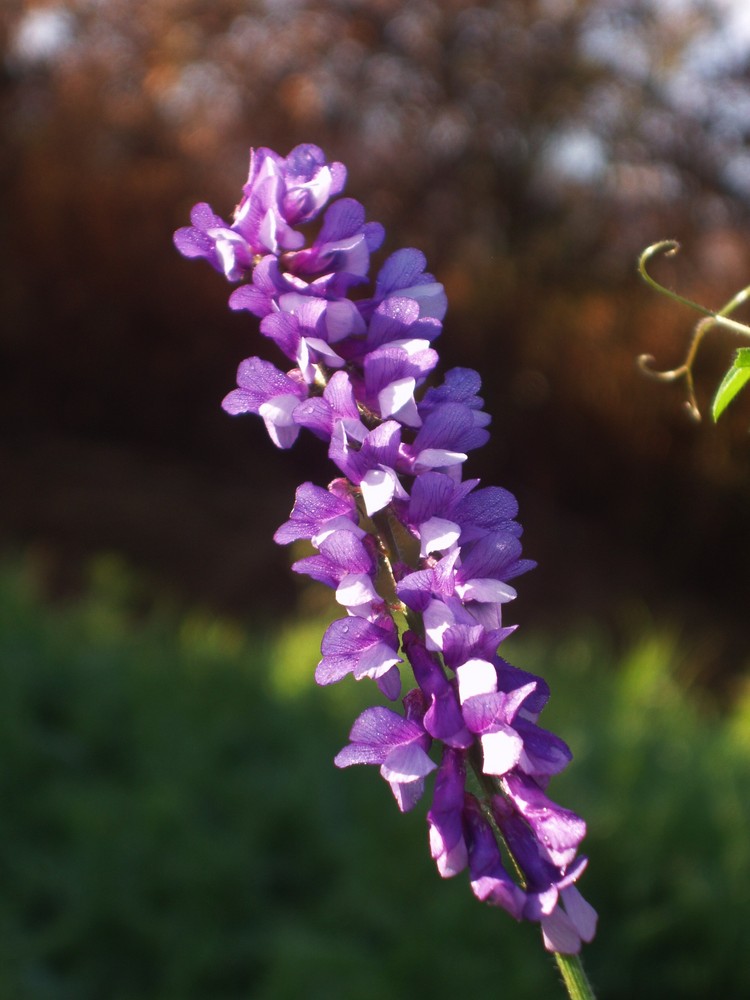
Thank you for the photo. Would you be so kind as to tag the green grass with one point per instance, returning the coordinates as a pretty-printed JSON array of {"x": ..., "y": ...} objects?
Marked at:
[{"x": 172, "y": 826}]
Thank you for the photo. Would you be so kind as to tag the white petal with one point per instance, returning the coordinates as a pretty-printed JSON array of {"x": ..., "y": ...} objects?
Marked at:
[
  {"x": 340, "y": 523},
  {"x": 437, "y": 535},
  {"x": 376, "y": 660},
  {"x": 226, "y": 249},
  {"x": 355, "y": 589},
  {"x": 437, "y": 618},
  {"x": 581, "y": 912},
  {"x": 304, "y": 362},
  {"x": 354, "y": 428},
  {"x": 438, "y": 458},
  {"x": 407, "y": 763},
  {"x": 267, "y": 231},
  {"x": 343, "y": 319},
  {"x": 378, "y": 487},
  {"x": 397, "y": 400},
  {"x": 449, "y": 863},
  {"x": 277, "y": 416},
  {"x": 487, "y": 591},
  {"x": 326, "y": 352},
  {"x": 413, "y": 345},
  {"x": 559, "y": 933},
  {"x": 407, "y": 793},
  {"x": 475, "y": 677},
  {"x": 502, "y": 750}
]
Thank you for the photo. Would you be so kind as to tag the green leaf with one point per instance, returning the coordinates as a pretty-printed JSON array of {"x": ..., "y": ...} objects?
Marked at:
[{"x": 735, "y": 379}]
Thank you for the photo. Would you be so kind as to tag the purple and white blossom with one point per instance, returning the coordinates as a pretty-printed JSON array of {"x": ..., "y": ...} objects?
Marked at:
[
  {"x": 398, "y": 743},
  {"x": 401, "y": 533}
]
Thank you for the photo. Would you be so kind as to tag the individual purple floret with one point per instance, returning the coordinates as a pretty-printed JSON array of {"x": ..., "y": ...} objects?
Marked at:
[
  {"x": 274, "y": 396},
  {"x": 445, "y": 818},
  {"x": 279, "y": 194},
  {"x": 341, "y": 249},
  {"x": 317, "y": 513},
  {"x": 399, "y": 744},
  {"x": 363, "y": 648},
  {"x": 401, "y": 535},
  {"x": 490, "y": 881}
]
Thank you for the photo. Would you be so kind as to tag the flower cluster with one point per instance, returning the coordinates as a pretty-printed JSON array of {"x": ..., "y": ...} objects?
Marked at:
[{"x": 401, "y": 535}]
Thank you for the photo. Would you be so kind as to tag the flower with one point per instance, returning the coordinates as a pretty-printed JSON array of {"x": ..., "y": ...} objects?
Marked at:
[
  {"x": 398, "y": 743},
  {"x": 274, "y": 396},
  {"x": 363, "y": 648}
]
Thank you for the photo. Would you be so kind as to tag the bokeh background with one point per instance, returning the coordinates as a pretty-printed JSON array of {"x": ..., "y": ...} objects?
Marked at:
[{"x": 532, "y": 149}]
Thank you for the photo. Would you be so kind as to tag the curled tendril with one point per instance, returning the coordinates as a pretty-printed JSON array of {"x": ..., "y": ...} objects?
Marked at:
[{"x": 711, "y": 319}]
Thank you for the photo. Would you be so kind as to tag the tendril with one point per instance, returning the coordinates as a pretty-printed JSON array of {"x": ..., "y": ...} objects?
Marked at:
[
  {"x": 711, "y": 319},
  {"x": 669, "y": 248}
]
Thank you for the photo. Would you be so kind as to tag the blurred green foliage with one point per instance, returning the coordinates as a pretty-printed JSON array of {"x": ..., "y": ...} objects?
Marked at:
[{"x": 173, "y": 827}]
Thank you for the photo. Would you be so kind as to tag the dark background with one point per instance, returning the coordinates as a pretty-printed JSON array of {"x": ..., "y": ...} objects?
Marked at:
[{"x": 531, "y": 149}]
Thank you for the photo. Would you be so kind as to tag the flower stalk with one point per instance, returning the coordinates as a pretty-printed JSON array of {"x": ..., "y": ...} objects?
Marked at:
[{"x": 574, "y": 977}]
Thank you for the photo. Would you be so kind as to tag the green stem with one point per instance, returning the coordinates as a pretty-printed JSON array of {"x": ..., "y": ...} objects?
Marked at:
[{"x": 576, "y": 983}]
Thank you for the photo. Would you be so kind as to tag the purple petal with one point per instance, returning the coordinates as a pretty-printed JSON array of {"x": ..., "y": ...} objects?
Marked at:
[
  {"x": 374, "y": 734},
  {"x": 443, "y": 718},
  {"x": 313, "y": 507},
  {"x": 390, "y": 683},
  {"x": 445, "y": 818},
  {"x": 356, "y": 645},
  {"x": 559, "y": 830},
  {"x": 544, "y": 753},
  {"x": 404, "y": 272},
  {"x": 260, "y": 381},
  {"x": 490, "y": 882}
]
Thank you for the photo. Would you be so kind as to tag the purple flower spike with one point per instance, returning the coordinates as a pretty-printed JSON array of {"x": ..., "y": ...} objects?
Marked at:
[
  {"x": 400, "y": 517},
  {"x": 399, "y": 745}
]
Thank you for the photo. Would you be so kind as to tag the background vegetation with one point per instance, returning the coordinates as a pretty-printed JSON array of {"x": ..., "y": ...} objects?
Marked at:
[{"x": 173, "y": 826}]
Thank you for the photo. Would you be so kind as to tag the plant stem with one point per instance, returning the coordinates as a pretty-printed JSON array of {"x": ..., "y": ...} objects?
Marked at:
[{"x": 576, "y": 983}]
